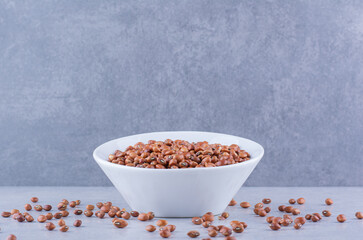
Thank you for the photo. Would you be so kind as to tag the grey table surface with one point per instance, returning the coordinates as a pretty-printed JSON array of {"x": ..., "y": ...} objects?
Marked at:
[{"x": 347, "y": 200}]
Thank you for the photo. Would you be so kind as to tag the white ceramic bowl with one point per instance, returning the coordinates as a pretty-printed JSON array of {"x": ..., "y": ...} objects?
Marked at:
[{"x": 178, "y": 192}]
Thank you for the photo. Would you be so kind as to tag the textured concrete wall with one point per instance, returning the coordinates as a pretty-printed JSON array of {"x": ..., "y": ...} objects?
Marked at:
[{"x": 287, "y": 74}]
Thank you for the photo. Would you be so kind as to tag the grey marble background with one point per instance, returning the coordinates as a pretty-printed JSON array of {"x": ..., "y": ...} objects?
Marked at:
[{"x": 287, "y": 74}]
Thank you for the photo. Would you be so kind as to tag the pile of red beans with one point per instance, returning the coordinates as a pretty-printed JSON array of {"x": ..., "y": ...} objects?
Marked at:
[{"x": 178, "y": 154}]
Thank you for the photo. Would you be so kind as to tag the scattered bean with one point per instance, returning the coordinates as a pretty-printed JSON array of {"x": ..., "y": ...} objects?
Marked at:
[
  {"x": 134, "y": 213},
  {"x": 78, "y": 212},
  {"x": 6, "y": 214},
  {"x": 171, "y": 228},
  {"x": 238, "y": 228},
  {"x": 300, "y": 220},
  {"x": 41, "y": 218},
  {"x": 77, "y": 223},
  {"x": 232, "y": 202},
  {"x": 208, "y": 217},
  {"x": 234, "y": 223},
  {"x": 212, "y": 233},
  {"x": 100, "y": 214},
  {"x": 289, "y": 209},
  {"x": 282, "y": 208},
  {"x": 65, "y": 213},
  {"x": 57, "y": 215},
  {"x": 126, "y": 215},
  {"x": 150, "y": 228},
  {"x": 259, "y": 205},
  {"x": 161, "y": 222},
  {"x": 225, "y": 215},
  {"x": 64, "y": 228},
  {"x": 112, "y": 214},
  {"x": 245, "y": 204},
  {"x": 62, "y": 206},
  {"x": 341, "y": 218},
  {"x": 292, "y": 201},
  {"x": 225, "y": 231},
  {"x": 20, "y": 218},
  {"x": 90, "y": 207},
  {"x": 315, "y": 218},
  {"x": 61, "y": 222},
  {"x": 99, "y": 205},
  {"x": 120, "y": 223},
  {"x": 328, "y": 201},
  {"x": 297, "y": 226},
  {"x": 29, "y": 218},
  {"x": 275, "y": 226},
  {"x": 49, "y": 216},
  {"x": 105, "y": 208},
  {"x": 165, "y": 233},
  {"x": 88, "y": 213},
  {"x": 143, "y": 217},
  {"x": 206, "y": 224},
  {"x": 38, "y": 208},
  {"x": 318, "y": 215},
  {"x": 28, "y": 207},
  {"x": 34, "y": 199},
  {"x": 286, "y": 222},
  {"x": 50, "y": 226},
  {"x": 197, "y": 220},
  {"x": 326, "y": 213},
  {"x": 262, "y": 213},
  {"x": 72, "y": 204},
  {"x": 193, "y": 234},
  {"x": 300, "y": 201},
  {"x": 119, "y": 214},
  {"x": 115, "y": 209},
  {"x": 269, "y": 219},
  {"x": 295, "y": 211},
  {"x": 47, "y": 207}
]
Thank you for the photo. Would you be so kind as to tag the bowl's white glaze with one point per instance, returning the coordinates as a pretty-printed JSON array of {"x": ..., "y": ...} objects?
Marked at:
[{"x": 178, "y": 192}]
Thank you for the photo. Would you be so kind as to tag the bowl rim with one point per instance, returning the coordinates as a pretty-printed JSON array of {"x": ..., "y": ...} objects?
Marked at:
[{"x": 100, "y": 160}]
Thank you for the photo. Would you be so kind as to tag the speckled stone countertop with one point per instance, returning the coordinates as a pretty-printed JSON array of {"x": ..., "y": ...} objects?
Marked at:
[{"x": 347, "y": 200}]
